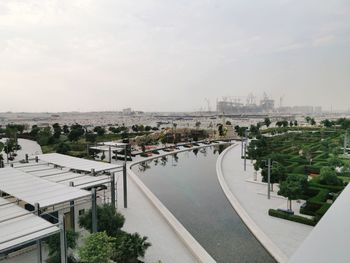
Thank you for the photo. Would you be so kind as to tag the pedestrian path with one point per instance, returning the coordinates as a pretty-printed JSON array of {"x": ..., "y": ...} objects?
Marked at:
[
  {"x": 142, "y": 217},
  {"x": 251, "y": 197}
]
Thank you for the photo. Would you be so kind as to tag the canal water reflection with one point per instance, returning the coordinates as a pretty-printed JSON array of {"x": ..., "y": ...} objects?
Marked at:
[{"x": 187, "y": 185}]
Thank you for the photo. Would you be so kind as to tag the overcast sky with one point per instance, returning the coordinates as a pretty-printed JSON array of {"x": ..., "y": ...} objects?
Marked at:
[{"x": 169, "y": 55}]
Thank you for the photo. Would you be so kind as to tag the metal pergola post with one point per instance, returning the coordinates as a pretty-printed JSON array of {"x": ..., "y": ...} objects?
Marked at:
[
  {"x": 345, "y": 142},
  {"x": 125, "y": 183},
  {"x": 72, "y": 209},
  {"x": 113, "y": 189},
  {"x": 268, "y": 177},
  {"x": 110, "y": 154},
  {"x": 93, "y": 210},
  {"x": 38, "y": 242},
  {"x": 63, "y": 242},
  {"x": 245, "y": 150}
]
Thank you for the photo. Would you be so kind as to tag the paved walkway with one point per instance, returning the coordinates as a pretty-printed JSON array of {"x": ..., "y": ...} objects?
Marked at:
[
  {"x": 142, "y": 217},
  {"x": 252, "y": 197},
  {"x": 32, "y": 148}
]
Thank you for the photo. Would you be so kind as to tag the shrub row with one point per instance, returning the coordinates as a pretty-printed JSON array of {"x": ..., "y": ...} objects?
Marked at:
[{"x": 294, "y": 218}]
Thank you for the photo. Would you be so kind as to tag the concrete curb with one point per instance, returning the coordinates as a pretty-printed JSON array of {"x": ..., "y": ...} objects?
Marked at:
[
  {"x": 188, "y": 240},
  {"x": 265, "y": 241}
]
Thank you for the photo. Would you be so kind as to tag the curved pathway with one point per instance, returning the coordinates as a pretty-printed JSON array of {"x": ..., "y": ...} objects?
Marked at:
[{"x": 280, "y": 237}]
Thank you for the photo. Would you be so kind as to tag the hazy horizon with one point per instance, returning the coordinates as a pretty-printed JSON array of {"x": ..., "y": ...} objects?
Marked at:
[{"x": 166, "y": 56}]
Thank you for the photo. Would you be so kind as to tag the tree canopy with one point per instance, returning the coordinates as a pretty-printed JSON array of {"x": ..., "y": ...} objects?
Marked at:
[
  {"x": 293, "y": 187},
  {"x": 108, "y": 219}
]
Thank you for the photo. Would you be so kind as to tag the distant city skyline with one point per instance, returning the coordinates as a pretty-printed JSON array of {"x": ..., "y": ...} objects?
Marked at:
[{"x": 90, "y": 55}]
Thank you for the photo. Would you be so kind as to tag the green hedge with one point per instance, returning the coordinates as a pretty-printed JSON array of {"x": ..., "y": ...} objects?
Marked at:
[
  {"x": 294, "y": 218},
  {"x": 320, "y": 198},
  {"x": 331, "y": 188}
]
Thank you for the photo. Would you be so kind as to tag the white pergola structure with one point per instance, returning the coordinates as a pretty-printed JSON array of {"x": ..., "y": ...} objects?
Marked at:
[
  {"x": 104, "y": 146},
  {"x": 69, "y": 164},
  {"x": 19, "y": 227},
  {"x": 41, "y": 194},
  {"x": 77, "y": 164}
]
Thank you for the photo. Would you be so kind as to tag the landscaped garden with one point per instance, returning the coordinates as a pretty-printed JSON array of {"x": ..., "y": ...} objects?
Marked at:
[
  {"x": 109, "y": 244},
  {"x": 308, "y": 163}
]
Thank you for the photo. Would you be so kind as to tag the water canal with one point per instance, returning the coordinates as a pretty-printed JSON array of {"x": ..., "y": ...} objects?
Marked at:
[{"x": 187, "y": 185}]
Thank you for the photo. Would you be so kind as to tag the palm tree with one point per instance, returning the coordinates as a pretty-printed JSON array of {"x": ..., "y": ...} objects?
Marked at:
[{"x": 129, "y": 247}]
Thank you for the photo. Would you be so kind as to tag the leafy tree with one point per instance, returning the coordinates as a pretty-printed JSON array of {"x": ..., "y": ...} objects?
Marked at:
[
  {"x": 9, "y": 147},
  {"x": 284, "y": 123},
  {"x": 75, "y": 134},
  {"x": 267, "y": 122},
  {"x": 328, "y": 176},
  {"x": 228, "y": 123},
  {"x": 65, "y": 129},
  {"x": 34, "y": 131},
  {"x": 135, "y": 128},
  {"x": 279, "y": 124},
  {"x": 221, "y": 129},
  {"x": 63, "y": 148},
  {"x": 240, "y": 130},
  {"x": 53, "y": 244},
  {"x": 129, "y": 247},
  {"x": 293, "y": 187},
  {"x": 327, "y": 123},
  {"x": 307, "y": 119},
  {"x": 108, "y": 219},
  {"x": 344, "y": 123},
  {"x": 90, "y": 137},
  {"x": 57, "y": 130},
  {"x": 254, "y": 130},
  {"x": 96, "y": 249},
  {"x": 291, "y": 123},
  {"x": 295, "y": 123},
  {"x": 99, "y": 130},
  {"x": 278, "y": 174},
  {"x": 312, "y": 122},
  {"x": 198, "y": 124}
]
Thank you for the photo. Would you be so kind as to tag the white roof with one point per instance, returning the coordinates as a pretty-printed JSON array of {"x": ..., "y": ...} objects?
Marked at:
[
  {"x": 18, "y": 226},
  {"x": 116, "y": 144},
  {"x": 77, "y": 163},
  {"x": 329, "y": 240},
  {"x": 82, "y": 181},
  {"x": 101, "y": 148},
  {"x": 32, "y": 189}
]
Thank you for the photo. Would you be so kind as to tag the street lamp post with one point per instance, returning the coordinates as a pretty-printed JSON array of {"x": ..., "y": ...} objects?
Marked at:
[
  {"x": 245, "y": 149},
  {"x": 269, "y": 166}
]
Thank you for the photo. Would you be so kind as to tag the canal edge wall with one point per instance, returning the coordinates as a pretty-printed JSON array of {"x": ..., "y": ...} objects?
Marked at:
[
  {"x": 187, "y": 239},
  {"x": 265, "y": 241}
]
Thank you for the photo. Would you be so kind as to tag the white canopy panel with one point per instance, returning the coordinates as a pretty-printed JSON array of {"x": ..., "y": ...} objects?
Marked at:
[
  {"x": 64, "y": 176},
  {"x": 18, "y": 226},
  {"x": 101, "y": 148},
  {"x": 77, "y": 163},
  {"x": 81, "y": 181},
  {"x": 32, "y": 189},
  {"x": 115, "y": 144}
]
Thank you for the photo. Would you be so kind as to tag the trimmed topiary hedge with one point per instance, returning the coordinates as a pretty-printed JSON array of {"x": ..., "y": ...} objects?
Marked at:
[{"x": 294, "y": 218}]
